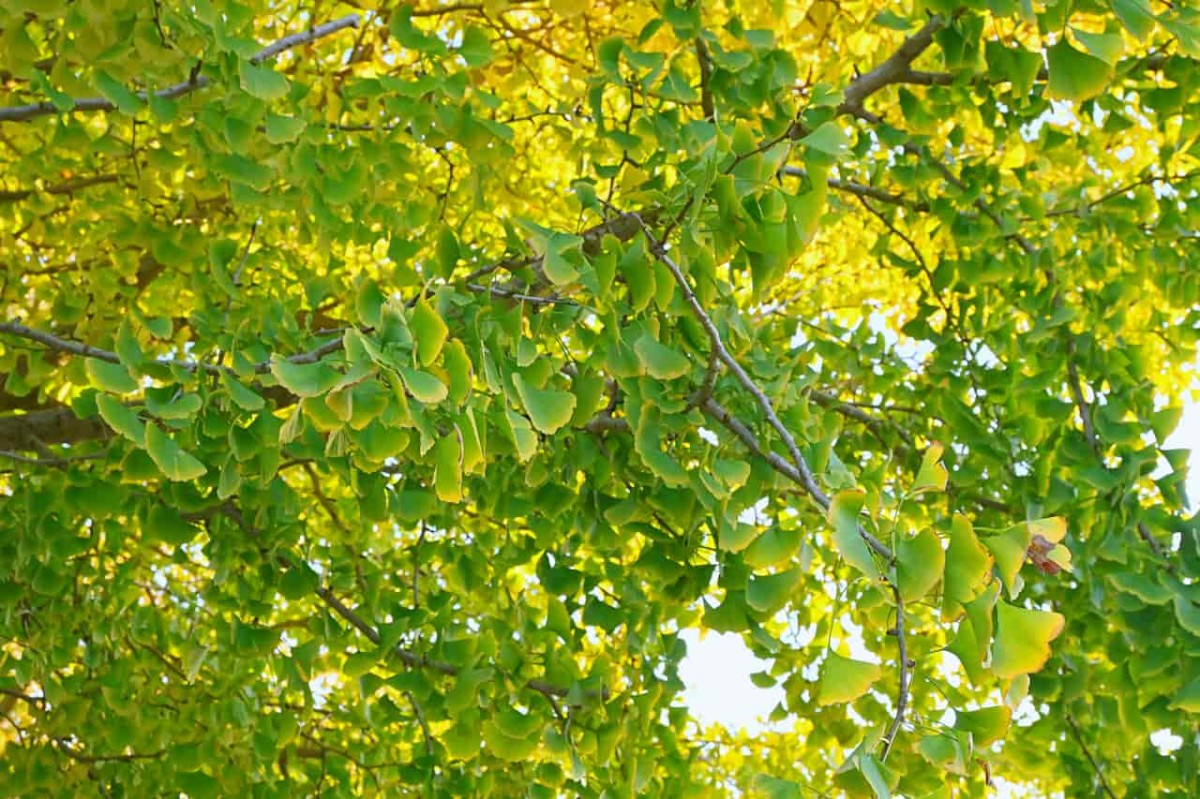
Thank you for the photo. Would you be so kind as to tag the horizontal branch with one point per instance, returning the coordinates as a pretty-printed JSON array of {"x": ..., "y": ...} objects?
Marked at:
[
  {"x": 860, "y": 189},
  {"x": 66, "y": 187},
  {"x": 21, "y": 113}
]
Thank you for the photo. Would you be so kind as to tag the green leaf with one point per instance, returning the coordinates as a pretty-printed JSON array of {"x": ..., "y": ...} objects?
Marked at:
[
  {"x": 1075, "y": 75},
  {"x": 1023, "y": 637},
  {"x": 1009, "y": 550},
  {"x": 262, "y": 82},
  {"x": 920, "y": 563},
  {"x": 305, "y": 379},
  {"x": 660, "y": 362},
  {"x": 847, "y": 539},
  {"x": 423, "y": 386},
  {"x": 522, "y": 435},
  {"x": 283, "y": 129},
  {"x": 1187, "y": 698},
  {"x": 829, "y": 138},
  {"x": 476, "y": 48},
  {"x": 173, "y": 461},
  {"x": 986, "y": 725},
  {"x": 560, "y": 270},
  {"x": 243, "y": 397},
  {"x": 1136, "y": 16},
  {"x": 507, "y": 747},
  {"x": 112, "y": 377},
  {"x": 1108, "y": 47},
  {"x": 845, "y": 680},
  {"x": 968, "y": 567},
  {"x": 768, "y": 593},
  {"x": 121, "y": 419},
  {"x": 548, "y": 409},
  {"x": 117, "y": 93}
]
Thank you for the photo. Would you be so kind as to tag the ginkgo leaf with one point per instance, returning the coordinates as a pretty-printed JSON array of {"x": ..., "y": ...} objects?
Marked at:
[
  {"x": 844, "y": 680},
  {"x": 1009, "y": 549},
  {"x": 659, "y": 361},
  {"x": 305, "y": 379},
  {"x": 768, "y": 593},
  {"x": 1187, "y": 698},
  {"x": 986, "y": 725},
  {"x": 844, "y": 516},
  {"x": 423, "y": 386},
  {"x": 523, "y": 437},
  {"x": 968, "y": 567},
  {"x": 1075, "y": 75},
  {"x": 110, "y": 376},
  {"x": 447, "y": 455},
  {"x": 121, "y": 419},
  {"x": 429, "y": 331},
  {"x": 1023, "y": 637},
  {"x": 920, "y": 563},
  {"x": 548, "y": 409},
  {"x": 174, "y": 462},
  {"x": 932, "y": 475}
]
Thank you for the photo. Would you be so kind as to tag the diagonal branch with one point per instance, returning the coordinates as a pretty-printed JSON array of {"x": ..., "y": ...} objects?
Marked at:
[
  {"x": 21, "y": 113},
  {"x": 897, "y": 68}
]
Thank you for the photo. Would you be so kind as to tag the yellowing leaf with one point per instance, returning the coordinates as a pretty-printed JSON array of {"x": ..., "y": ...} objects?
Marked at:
[
  {"x": 523, "y": 437},
  {"x": 170, "y": 458},
  {"x": 447, "y": 455},
  {"x": 844, "y": 680},
  {"x": 1009, "y": 549},
  {"x": 932, "y": 474},
  {"x": 843, "y": 515},
  {"x": 548, "y": 409},
  {"x": 968, "y": 567},
  {"x": 920, "y": 562},
  {"x": 429, "y": 330},
  {"x": 1023, "y": 637},
  {"x": 423, "y": 386}
]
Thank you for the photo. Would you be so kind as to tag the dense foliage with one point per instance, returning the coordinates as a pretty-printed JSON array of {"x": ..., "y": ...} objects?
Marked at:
[{"x": 386, "y": 387}]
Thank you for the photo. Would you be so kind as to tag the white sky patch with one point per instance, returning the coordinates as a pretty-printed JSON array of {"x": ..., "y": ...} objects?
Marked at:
[{"x": 716, "y": 674}]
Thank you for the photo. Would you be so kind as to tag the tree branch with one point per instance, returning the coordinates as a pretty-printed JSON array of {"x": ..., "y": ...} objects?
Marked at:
[
  {"x": 897, "y": 68},
  {"x": 21, "y": 113}
]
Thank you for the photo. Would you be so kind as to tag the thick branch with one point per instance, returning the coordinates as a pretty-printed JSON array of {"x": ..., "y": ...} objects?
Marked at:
[
  {"x": 21, "y": 113},
  {"x": 897, "y": 68}
]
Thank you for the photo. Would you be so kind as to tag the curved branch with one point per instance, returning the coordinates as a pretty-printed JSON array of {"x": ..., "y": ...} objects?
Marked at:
[{"x": 22, "y": 113}]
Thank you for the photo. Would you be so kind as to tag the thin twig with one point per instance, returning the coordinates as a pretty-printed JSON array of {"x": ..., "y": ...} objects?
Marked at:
[
  {"x": 1091, "y": 759},
  {"x": 902, "y": 692}
]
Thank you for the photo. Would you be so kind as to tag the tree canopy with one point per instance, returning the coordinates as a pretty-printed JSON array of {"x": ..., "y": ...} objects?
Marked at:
[{"x": 387, "y": 387}]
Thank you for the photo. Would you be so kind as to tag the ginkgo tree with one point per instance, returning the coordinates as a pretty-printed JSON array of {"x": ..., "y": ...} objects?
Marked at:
[{"x": 387, "y": 387}]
